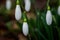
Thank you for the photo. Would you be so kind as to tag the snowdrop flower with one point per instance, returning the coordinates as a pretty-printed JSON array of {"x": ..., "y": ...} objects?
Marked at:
[
  {"x": 27, "y": 5},
  {"x": 49, "y": 17},
  {"x": 18, "y": 11},
  {"x": 8, "y": 4},
  {"x": 25, "y": 28},
  {"x": 59, "y": 10}
]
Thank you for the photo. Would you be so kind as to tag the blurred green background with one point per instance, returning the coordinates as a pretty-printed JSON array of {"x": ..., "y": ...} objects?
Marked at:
[{"x": 38, "y": 28}]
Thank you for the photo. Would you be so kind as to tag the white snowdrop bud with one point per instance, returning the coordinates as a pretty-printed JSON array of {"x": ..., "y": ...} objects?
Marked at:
[
  {"x": 49, "y": 17},
  {"x": 8, "y": 4},
  {"x": 18, "y": 12},
  {"x": 59, "y": 10},
  {"x": 27, "y": 5},
  {"x": 25, "y": 28}
]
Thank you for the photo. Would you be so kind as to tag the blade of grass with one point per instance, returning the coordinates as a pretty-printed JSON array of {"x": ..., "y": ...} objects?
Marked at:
[
  {"x": 58, "y": 29},
  {"x": 41, "y": 34},
  {"x": 48, "y": 29}
]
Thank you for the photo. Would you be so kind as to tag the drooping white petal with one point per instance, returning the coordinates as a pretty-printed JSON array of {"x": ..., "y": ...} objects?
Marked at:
[
  {"x": 49, "y": 17},
  {"x": 25, "y": 28},
  {"x": 59, "y": 10},
  {"x": 18, "y": 12},
  {"x": 27, "y": 5},
  {"x": 8, "y": 4}
]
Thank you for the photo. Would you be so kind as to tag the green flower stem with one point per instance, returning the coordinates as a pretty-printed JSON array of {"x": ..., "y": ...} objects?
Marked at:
[
  {"x": 38, "y": 22},
  {"x": 51, "y": 32},
  {"x": 24, "y": 17},
  {"x": 32, "y": 31},
  {"x": 38, "y": 19},
  {"x": 54, "y": 19},
  {"x": 38, "y": 31},
  {"x": 48, "y": 2},
  {"x": 48, "y": 7},
  {"x": 57, "y": 27},
  {"x": 17, "y": 2},
  {"x": 46, "y": 28},
  {"x": 59, "y": 2}
]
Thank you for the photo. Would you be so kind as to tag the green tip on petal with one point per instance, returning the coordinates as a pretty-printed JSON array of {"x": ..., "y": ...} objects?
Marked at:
[
  {"x": 48, "y": 7},
  {"x": 25, "y": 19},
  {"x": 17, "y": 2}
]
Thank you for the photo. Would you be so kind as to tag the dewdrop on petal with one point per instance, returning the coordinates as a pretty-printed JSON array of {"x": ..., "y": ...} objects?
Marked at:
[
  {"x": 25, "y": 28},
  {"x": 8, "y": 4},
  {"x": 18, "y": 12},
  {"x": 59, "y": 10},
  {"x": 49, "y": 17},
  {"x": 27, "y": 5}
]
